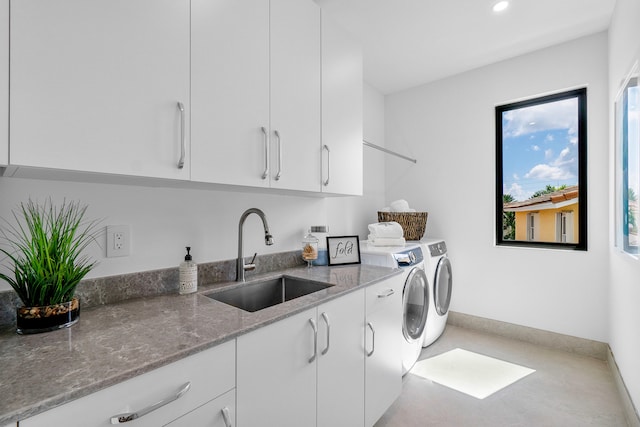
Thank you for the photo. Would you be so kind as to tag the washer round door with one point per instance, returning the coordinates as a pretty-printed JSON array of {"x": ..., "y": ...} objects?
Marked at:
[
  {"x": 415, "y": 305},
  {"x": 442, "y": 286}
]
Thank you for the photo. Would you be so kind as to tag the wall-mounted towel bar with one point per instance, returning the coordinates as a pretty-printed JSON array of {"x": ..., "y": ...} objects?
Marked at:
[{"x": 377, "y": 147}]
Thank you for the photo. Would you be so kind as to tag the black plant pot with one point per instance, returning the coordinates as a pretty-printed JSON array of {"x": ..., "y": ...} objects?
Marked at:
[{"x": 33, "y": 320}]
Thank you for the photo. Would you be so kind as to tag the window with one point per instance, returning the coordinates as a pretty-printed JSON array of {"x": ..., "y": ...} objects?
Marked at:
[
  {"x": 628, "y": 163},
  {"x": 541, "y": 172},
  {"x": 532, "y": 227}
]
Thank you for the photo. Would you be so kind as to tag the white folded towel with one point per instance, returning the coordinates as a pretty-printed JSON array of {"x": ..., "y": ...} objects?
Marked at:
[
  {"x": 399, "y": 206},
  {"x": 385, "y": 209},
  {"x": 386, "y": 241},
  {"x": 386, "y": 229}
]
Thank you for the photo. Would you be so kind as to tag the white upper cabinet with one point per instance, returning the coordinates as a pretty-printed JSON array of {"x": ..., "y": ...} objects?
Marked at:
[
  {"x": 96, "y": 86},
  {"x": 4, "y": 82},
  {"x": 295, "y": 94},
  {"x": 230, "y": 91},
  {"x": 256, "y": 93},
  {"x": 341, "y": 111}
]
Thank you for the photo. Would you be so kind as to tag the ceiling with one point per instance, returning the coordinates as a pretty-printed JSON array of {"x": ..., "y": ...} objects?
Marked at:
[{"x": 410, "y": 42}]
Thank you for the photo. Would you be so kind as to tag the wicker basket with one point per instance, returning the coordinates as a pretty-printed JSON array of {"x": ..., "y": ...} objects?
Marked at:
[{"x": 413, "y": 224}]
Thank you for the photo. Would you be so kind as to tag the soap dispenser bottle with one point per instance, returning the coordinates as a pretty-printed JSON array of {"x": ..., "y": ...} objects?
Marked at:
[{"x": 188, "y": 274}]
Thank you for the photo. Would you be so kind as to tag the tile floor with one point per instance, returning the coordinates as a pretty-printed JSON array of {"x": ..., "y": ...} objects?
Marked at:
[{"x": 566, "y": 390}]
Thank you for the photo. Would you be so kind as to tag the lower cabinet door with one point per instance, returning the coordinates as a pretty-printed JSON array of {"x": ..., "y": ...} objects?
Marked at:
[
  {"x": 276, "y": 374},
  {"x": 341, "y": 361},
  {"x": 220, "y": 412},
  {"x": 383, "y": 344}
]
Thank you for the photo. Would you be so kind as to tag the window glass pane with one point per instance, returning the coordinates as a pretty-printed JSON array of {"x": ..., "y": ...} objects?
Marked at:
[
  {"x": 628, "y": 176},
  {"x": 541, "y": 176}
]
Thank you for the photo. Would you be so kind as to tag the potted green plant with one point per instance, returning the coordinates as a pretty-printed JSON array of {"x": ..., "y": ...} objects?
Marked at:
[{"x": 45, "y": 249}]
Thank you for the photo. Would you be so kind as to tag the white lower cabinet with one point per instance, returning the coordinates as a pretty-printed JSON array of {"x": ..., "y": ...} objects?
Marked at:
[
  {"x": 219, "y": 412},
  {"x": 383, "y": 362},
  {"x": 306, "y": 370},
  {"x": 210, "y": 373}
]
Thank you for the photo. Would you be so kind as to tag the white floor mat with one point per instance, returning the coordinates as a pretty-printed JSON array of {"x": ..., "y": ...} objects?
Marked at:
[{"x": 470, "y": 373}]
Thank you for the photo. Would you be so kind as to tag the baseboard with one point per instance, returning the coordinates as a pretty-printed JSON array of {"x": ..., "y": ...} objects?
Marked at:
[
  {"x": 553, "y": 340},
  {"x": 630, "y": 411}
]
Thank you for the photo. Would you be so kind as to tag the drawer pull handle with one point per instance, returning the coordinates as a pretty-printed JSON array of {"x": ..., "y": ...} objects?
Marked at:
[
  {"x": 326, "y": 147},
  {"x": 182, "y": 142},
  {"x": 130, "y": 416},
  {"x": 373, "y": 340},
  {"x": 226, "y": 417},
  {"x": 388, "y": 293},
  {"x": 265, "y": 140},
  {"x": 325, "y": 317},
  {"x": 279, "y": 174},
  {"x": 315, "y": 340}
]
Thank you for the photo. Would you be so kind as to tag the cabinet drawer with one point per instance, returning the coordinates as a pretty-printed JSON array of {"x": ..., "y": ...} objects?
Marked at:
[
  {"x": 210, "y": 372},
  {"x": 382, "y": 294},
  {"x": 211, "y": 414}
]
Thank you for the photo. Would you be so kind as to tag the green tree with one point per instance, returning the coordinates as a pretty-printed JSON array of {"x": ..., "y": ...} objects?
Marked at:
[
  {"x": 548, "y": 189},
  {"x": 508, "y": 219},
  {"x": 633, "y": 197}
]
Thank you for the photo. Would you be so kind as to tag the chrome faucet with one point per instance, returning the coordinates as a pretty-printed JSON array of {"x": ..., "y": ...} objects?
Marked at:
[{"x": 241, "y": 267}]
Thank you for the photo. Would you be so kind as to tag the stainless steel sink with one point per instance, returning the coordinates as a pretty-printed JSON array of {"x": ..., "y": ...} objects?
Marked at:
[{"x": 259, "y": 295}]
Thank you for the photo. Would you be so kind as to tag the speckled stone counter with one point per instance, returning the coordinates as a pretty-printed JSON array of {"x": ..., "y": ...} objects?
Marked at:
[{"x": 115, "y": 342}]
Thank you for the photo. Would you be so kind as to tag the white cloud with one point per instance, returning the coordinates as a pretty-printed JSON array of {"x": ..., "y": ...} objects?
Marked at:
[
  {"x": 548, "y": 172},
  {"x": 542, "y": 117},
  {"x": 549, "y": 138},
  {"x": 548, "y": 154},
  {"x": 517, "y": 192},
  {"x": 535, "y": 148},
  {"x": 516, "y": 177}
]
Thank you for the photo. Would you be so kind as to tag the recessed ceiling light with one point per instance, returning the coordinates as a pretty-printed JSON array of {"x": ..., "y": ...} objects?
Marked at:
[{"x": 500, "y": 6}]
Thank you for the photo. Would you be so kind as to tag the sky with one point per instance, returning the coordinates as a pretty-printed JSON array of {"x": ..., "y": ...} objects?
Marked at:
[{"x": 539, "y": 147}]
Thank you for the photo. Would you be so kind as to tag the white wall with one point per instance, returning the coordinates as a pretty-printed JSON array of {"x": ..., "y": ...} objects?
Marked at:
[
  {"x": 449, "y": 126},
  {"x": 624, "y": 48},
  {"x": 355, "y": 213},
  {"x": 164, "y": 220}
]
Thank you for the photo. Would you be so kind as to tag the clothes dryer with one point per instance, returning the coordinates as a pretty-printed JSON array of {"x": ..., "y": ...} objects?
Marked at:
[
  {"x": 414, "y": 286},
  {"x": 438, "y": 269}
]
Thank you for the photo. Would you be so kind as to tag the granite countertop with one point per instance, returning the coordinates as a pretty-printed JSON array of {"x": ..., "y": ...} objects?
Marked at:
[{"x": 115, "y": 342}]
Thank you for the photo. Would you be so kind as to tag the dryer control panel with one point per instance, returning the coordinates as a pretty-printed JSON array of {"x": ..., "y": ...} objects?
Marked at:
[
  {"x": 438, "y": 249},
  {"x": 409, "y": 257}
]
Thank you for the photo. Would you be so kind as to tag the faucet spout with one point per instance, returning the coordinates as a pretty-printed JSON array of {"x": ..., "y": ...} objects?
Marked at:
[{"x": 241, "y": 267}]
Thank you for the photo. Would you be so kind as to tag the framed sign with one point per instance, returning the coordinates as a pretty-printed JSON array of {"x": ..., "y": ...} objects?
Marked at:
[{"x": 343, "y": 250}]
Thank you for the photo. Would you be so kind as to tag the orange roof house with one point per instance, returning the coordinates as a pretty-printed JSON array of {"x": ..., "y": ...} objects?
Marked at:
[{"x": 551, "y": 217}]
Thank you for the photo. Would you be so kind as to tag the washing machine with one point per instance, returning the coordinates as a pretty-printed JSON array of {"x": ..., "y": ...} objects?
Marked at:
[
  {"x": 439, "y": 276},
  {"x": 415, "y": 292}
]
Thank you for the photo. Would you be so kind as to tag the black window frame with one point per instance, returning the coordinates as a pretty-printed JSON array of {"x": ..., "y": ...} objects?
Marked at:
[{"x": 581, "y": 95}]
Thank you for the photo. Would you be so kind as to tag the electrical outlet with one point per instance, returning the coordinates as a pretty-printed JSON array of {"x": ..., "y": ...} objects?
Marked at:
[{"x": 118, "y": 241}]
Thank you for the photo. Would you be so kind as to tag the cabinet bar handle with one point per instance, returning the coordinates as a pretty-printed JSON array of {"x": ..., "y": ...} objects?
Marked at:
[
  {"x": 265, "y": 139},
  {"x": 315, "y": 340},
  {"x": 326, "y": 147},
  {"x": 182, "y": 142},
  {"x": 373, "y": 339},
  {"x": 325, "y": 317},
  {"x": 279, "y": 174},
  {"x": 226, "y": 416},
  {"x": 130, "y": 416},
  {"x": 387, "y": 293}
]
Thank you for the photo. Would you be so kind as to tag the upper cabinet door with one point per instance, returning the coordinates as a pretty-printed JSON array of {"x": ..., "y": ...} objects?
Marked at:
[
  {"x": 341, "y": 111},
  {"x": 96, "y": 86},
  {"x": 295, "y": 95},
  {"x": 4, "y": 82},
  {"x": 230, "y": 91}
]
